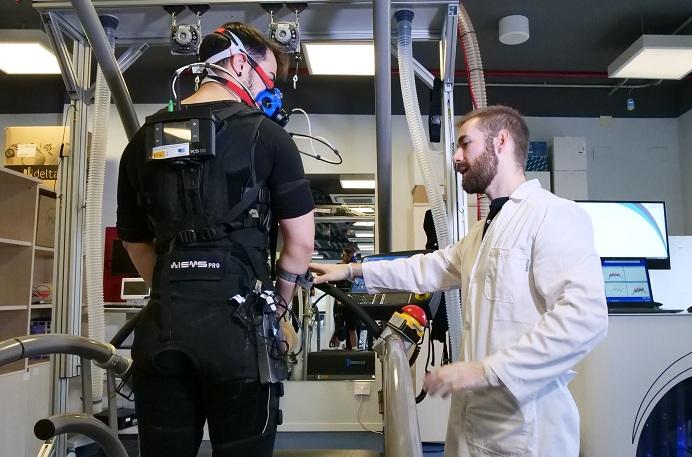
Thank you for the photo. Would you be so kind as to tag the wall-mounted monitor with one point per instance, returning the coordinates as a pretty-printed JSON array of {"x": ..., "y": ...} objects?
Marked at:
[{"x": 629, "y": 229}]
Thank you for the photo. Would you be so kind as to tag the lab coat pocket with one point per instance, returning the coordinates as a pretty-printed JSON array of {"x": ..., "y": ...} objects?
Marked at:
[
  {"x": 496, "y": 425},
  {"x": 506, "y": 274}
]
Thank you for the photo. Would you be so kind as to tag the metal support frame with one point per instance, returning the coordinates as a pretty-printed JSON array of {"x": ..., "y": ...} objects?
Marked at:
[
  {"x": 131, "y": 55},
  {"x": 54, "y": 30},
  {"x": 456, "y": 197},
  {"x": 104, "y": 55},
  {"x": 382, "y": 20},
  {"x": 68, "y": 246},
  {"x": 126, "y": 59}
]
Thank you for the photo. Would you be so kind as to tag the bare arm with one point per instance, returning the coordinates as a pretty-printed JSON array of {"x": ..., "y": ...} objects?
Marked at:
[
  {"x": 143, "y": 255},
  {"x": 298, "y": 243}
]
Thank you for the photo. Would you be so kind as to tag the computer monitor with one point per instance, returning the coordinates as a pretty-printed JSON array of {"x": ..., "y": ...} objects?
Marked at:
[
  {"x": 628, "y": 229},
  {"x": 116, "y": 266}
]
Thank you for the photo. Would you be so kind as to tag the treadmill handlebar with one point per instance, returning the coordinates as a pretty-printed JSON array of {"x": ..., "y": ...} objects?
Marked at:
[
  {"x": 103, "y": 354},
  {"x": 85, "y": 425}
]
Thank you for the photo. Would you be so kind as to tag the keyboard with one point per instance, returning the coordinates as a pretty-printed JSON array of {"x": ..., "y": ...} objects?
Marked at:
[
  {"x": 382, "y": 306},
  {"x": 640, "y": 308}
]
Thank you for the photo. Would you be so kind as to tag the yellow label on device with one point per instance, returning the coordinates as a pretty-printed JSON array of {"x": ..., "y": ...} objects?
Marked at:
[{"x": 170, "y": 151}]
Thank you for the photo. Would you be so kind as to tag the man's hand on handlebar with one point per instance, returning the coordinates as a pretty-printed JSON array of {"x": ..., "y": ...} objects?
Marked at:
[{"x": 329, "y": 272}]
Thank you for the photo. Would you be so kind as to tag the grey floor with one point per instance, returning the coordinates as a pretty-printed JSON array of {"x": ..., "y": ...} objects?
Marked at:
[{"x": 130, "y": 442}]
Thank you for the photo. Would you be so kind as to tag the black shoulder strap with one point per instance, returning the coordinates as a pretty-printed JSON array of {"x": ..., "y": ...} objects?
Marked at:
[{"x": 250, "y": 196}]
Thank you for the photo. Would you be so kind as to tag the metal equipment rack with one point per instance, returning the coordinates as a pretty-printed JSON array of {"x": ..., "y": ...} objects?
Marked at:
[{"x": 74, "y": 31}]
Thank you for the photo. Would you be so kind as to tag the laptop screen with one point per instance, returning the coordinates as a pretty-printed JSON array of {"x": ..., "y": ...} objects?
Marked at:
[{"x": 626, "y": 280}]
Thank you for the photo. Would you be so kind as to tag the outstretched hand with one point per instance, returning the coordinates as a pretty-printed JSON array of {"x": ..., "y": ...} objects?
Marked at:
[{"x": 329, "y": 272}]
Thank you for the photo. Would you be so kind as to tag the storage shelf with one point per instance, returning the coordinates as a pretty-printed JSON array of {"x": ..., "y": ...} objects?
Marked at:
[
  {"x": 13, "y": 308},
  {"x": 21, "y": 262},
  {"x": 10, "y": 242},
  {"x": 45, "y": 190},
  {"x": 17, "y": 176}
]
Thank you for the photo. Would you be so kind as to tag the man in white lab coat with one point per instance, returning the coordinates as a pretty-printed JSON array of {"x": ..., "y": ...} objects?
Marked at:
[{"x": 532, "y": 296}]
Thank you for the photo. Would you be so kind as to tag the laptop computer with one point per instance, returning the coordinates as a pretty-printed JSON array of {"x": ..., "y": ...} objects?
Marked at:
[{"x": 628, "y": 287}]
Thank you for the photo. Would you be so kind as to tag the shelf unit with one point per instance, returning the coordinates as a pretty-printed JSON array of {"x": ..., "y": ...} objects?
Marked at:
[{"x": 27, "y": 210}]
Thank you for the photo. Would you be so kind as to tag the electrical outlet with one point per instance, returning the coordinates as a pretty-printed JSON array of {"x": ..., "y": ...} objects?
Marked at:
[{"x": 361, "y": 388}]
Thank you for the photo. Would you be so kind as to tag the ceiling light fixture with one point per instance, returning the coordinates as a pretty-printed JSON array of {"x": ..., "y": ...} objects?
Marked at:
[
  {"x": 364, "y": 224},
  {"x": 26, "y": 52},
  {"x": 357, "y": 183},
  {"x": 655, "y": 57},
  {"x": 340, "y": 58}
]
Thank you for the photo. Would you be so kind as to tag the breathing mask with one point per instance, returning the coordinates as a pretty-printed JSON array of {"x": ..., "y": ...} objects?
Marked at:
[{"x": 269, "y": 101}]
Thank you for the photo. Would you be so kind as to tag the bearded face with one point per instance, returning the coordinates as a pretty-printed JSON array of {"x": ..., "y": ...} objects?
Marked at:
[{"x": 479, "y": 173}]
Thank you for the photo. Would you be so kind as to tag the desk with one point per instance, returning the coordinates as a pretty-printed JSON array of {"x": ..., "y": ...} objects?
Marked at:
[{"x": 623, "y": 379}]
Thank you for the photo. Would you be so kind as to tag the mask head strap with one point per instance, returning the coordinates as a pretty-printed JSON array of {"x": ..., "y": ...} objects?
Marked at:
[{"x": 237, "y": 47}]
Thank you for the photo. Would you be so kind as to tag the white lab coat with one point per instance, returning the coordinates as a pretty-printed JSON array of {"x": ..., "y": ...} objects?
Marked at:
[{"x": 533, "y": 306}]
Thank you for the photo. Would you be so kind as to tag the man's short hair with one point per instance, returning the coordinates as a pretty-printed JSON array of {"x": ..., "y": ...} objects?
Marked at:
[
  {"x": 494, "y": 118},
  {"x": 254, "y": 42}
]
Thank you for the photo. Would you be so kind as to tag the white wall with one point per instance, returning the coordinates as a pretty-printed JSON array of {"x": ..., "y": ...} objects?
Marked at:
[
  {"x": 685, "y": 138},
  {"x": 628, "y": 158},
  {"x": 673, "y": 288}
]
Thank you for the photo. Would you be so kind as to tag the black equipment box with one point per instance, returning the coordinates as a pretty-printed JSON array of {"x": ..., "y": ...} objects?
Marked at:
[{"x": 341, "y": 365}]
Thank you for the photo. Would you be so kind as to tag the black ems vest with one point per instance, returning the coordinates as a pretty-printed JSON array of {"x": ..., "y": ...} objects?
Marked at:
[
  {"x": 210, "y": 214},
  {"x": 190, "y": 199}
]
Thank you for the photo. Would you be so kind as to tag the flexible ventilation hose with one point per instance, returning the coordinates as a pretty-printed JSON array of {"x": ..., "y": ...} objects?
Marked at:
[
  {"x": 93, "y": 237},
  {"x": 420, "y": 145},
  {"x": 475, "y": 76},
  {"x": 472, "y": 58}
]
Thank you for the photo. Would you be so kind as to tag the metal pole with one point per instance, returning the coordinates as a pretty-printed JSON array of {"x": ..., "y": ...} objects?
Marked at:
[
  {"x": 307, "y": 336},
  {"x": 456, "y": 197},
  {"x": 382, "y": 22},
  {"x": 112, "y": 402},
  {"x": 105, "y": 57},
  {"x": 87, "y": 395},
  {"x": 402, "y": 434}
]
